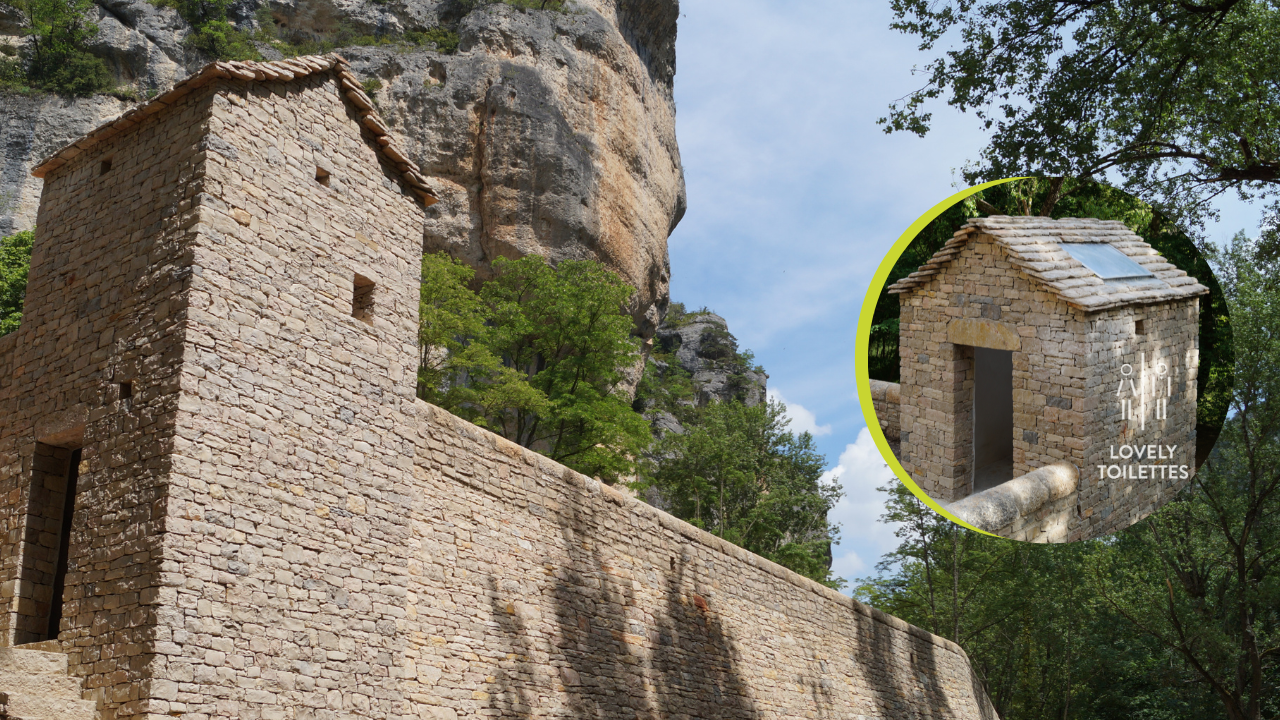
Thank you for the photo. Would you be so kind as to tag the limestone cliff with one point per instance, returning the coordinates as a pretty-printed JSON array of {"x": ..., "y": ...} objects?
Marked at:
[
  {"x": 695, "y": 361},
  {"x": 547, "y": 132}
]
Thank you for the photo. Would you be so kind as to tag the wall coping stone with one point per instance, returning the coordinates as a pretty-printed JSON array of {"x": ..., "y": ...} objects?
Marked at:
[
  {"x": 999, "y": 506},
  {"x": 885, "y": 391}
]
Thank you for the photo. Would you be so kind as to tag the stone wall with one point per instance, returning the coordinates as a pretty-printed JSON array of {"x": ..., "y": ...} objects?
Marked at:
[
  {"x": 887, "y": 400},
  {"x": 1067, "y": 365},
  {"x": 105, "y": 307},
  {"x": 1171, "y": 334},
  {"x": 273, "y": 526}
]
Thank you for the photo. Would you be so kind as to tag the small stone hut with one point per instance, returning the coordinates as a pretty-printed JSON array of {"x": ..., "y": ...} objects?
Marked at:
[{"x": 1029, "y": 341}]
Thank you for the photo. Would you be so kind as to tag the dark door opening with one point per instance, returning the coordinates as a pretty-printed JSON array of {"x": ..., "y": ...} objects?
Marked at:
[
  {"x": 46, "y": 542},
  {"x": 992, "y": 417},
  {"x": 64, "y": 547}
]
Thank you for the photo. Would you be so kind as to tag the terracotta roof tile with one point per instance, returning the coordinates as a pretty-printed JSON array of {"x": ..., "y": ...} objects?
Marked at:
[{"x": 276, "y": 71}]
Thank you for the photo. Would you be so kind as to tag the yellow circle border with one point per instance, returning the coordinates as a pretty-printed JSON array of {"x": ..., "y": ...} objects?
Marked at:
[{"x": 863, "y": 345}]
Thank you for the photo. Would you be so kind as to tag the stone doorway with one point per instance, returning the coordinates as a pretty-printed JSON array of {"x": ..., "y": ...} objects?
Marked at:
[
  {"x": 992, "y": 417},
  {"x": 46, "y": 546}
]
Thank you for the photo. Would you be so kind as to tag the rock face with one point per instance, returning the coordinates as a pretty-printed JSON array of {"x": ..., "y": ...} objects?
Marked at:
[
  {"x": 31, "y": 128},
  {"x": 548, "y": 132},
  {"x": 695, "y": 361},
  {"x": 706, "y": 350}
]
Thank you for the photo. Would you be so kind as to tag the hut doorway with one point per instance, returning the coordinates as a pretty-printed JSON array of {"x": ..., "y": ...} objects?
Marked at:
[{"x": 992, "y": 417}]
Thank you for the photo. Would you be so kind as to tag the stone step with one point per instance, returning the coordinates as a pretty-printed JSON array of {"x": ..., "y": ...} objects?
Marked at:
[
  {"x": 49, "y": 708},
  {"x": 43, "y": 645},
  {"x": 27, "y": 683},
  {"x": 39, "y": 662}
]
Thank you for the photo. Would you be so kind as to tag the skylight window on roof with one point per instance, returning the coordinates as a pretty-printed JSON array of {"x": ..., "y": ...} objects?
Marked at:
[{"x": 1106, "y": 261}]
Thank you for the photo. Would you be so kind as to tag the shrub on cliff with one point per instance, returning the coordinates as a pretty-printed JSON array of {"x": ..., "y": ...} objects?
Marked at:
[
  {"x": 211, "y": 31},
  {"x": 536, "y": 356},
  {"x": 55, "y": 59},
  {"x": 15, "y": 259}
]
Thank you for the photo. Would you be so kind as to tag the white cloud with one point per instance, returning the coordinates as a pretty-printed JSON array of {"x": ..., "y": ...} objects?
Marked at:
[
  {"x": 800, "y": 419},
  {"x": 861, "y": 470}
]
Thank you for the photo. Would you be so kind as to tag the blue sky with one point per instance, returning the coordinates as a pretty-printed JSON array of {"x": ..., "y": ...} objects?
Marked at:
[{"x": 795, "y": 195}]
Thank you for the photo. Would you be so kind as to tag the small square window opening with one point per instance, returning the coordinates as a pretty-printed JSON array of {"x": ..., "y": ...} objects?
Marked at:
[
  {"x": 126, "y": 390},
  {"x": 1139, "y": 327},
  {"x": 104, "y": 167},
  {"x": 362, "y": 299},
  {"x": 322, "y": 176}
]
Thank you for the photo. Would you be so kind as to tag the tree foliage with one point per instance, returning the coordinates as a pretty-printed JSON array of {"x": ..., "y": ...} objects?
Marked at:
[
  {"x": 212, "y": 32},
  {"x": 1182, "y": 99},
  {"x": 15, "y": 260},
  {"x": 54, "y": 58},
  {"x": 537, "y": 356},
  {"x": 738, "y": 473},
  {"x": 1176, "y": 617}
]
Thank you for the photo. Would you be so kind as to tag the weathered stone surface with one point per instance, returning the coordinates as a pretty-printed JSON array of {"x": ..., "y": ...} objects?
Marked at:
[
  {"x": 1036, "y": 507},
  {"x": 981, "y": 332},
  {"x": 705, "y": 349},
  {"x": 550, "y": 135},
  {"x": 31, "y": 128},
  {"x": 142, "y": 43},
  {"x": 270, "y": 524}
]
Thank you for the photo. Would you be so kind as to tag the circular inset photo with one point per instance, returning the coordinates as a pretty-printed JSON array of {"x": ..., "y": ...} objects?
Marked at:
[{"x": 1046, "y": 359}]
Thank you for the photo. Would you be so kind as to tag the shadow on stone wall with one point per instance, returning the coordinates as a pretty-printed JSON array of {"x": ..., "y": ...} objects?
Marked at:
[
  {"x": 696, "y": 657},
  {"x": 896, "y": 693},
  {"x": 513, "y": 689},
  {"x": 599, "y": 649}
]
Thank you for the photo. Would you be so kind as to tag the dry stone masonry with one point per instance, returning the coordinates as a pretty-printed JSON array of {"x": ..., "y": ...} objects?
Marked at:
[
  {"x": 260, "y": 520},
  {"x": 1016, "y": 354}
]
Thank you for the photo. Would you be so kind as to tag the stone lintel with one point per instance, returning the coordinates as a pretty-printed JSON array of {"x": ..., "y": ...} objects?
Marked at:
[
  {"x": 64, "y": 429},
  {"x": 980, "y": 332}
]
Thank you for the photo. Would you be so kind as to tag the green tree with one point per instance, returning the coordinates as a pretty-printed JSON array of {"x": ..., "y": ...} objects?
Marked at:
[
  {"x": 1180, "y": 99},
  {"x": 537, "y": 356},
  {"x": 211, "y": 31},
  {"x": 738, "y": 473},
  {"x": 457, "y": 370},
  {"x": 15, "y": 260},
  {"x": 1200, "y": 577},
  {"x": 1037, "y": 631},
  {"x": 55, "y": 58}
]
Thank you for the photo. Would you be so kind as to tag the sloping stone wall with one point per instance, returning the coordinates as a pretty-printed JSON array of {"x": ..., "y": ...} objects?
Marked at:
[{"x": 886, "y": 398}]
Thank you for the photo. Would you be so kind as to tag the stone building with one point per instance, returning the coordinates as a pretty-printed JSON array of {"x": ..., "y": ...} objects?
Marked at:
[
  {"x": 220, "y": 497},
  {"x": 1029, "y": 342}
]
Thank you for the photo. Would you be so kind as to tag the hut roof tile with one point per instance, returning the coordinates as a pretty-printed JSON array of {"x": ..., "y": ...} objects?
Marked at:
[{"x": 1034, "y": 245}]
